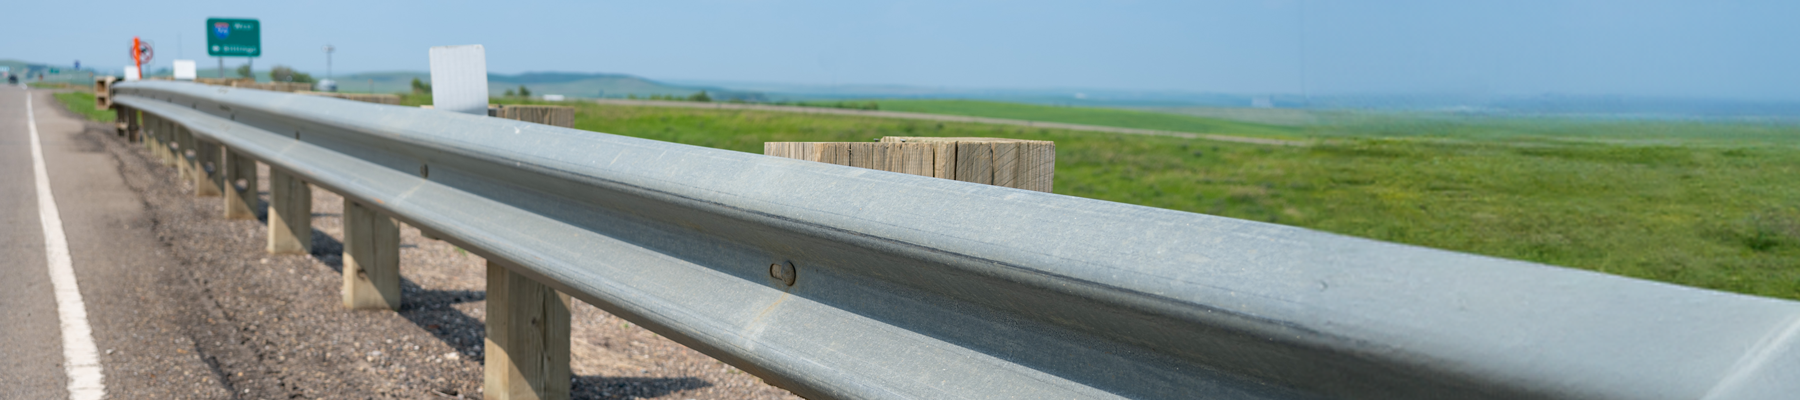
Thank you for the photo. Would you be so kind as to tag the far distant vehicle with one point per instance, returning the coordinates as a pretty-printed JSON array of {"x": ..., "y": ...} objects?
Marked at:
[{"x": 12, "y": 79}]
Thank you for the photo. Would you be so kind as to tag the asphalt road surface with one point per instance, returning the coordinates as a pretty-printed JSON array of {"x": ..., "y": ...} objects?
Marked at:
[
  {"x": 111, "y": 249},
  {"x": 183, "y": 304}
]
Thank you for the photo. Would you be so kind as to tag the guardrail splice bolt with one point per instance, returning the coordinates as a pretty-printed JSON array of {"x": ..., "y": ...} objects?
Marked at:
[{"x": 783, "y": 272}]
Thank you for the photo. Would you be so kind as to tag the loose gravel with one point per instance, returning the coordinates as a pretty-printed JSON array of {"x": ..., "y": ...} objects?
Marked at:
[{"x": 273, "y": 326}]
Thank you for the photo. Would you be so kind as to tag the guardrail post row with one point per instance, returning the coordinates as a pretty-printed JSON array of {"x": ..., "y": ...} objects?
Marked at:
[
  {"x": 239, "y": 184},
  {"x": 912, "y": 287},
  {"x": 290, "y": 213},
  {"x": 371, "y": 259},
  {"x": 527, "y": 345},
  {"x": 208, "y": 180}
]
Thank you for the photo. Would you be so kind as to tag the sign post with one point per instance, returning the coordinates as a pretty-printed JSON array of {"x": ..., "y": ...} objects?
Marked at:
[
  {"x": 233, "y": 37},
  {"x": 140, "y": 54}
]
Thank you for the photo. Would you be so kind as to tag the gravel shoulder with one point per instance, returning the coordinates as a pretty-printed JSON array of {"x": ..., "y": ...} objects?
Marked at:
[{"x": 272, "y": 326}]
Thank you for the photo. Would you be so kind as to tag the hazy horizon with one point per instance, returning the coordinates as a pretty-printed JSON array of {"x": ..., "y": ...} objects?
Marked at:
[{"x": 1626, "y": 48}]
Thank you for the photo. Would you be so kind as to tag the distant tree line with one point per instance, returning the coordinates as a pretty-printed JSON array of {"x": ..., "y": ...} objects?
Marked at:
[
  {"x": 280, "y": 73},
  {"x": 283, "y": 73},
  {"x": 849, "y": 105},
  {"x": 702, "y": 96}
]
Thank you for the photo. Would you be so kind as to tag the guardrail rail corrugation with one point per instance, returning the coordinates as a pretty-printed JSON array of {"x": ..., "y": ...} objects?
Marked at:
[{"x": 914, "y": 287}]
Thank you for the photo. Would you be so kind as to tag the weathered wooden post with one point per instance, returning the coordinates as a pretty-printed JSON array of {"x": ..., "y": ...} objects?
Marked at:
[
  {"x": 239, "y": 183},
  {"x": 290, "y": 213},
  {"x": 133, "y": 129},
  {"x": 122, "y": 120},
  {"x": 150, "y": 134},
  {"x": 103, "y": 92},
  {"x": 562, "y": 116},
  {"x": 527, "y": 349},
  {"x": 185, "y": 154},
  {"x": 371, "y": 259},
  {"x": 1014, "y": 163},
  {"x": 208, "y": 179},
  {"x": 165, "y": 137}
]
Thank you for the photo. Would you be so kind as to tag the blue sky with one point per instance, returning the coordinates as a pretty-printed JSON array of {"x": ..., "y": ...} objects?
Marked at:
[{"x": 1711, "y": 49}]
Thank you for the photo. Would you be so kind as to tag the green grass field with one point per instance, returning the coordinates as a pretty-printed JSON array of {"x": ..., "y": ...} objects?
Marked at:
[
  {"x": 1091, "y": 116},
  {"x": 1695, "y": 204},
  {"x": 83, "y": 103},
  {"x": 1558, "y": 130}
]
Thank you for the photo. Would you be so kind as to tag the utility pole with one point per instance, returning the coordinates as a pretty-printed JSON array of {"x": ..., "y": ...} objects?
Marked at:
[{"x": 328, "y": 50}]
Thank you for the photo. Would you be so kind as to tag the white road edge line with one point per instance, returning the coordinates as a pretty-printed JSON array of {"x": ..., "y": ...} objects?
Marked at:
[{"x": 80, "y": 361}]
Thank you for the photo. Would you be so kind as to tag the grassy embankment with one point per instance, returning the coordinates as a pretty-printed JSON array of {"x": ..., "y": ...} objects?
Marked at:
[{"x": 82, "y": 102}]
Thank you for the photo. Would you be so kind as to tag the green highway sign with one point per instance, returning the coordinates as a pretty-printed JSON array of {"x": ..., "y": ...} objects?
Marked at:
[{"x": 233, "y": 37}]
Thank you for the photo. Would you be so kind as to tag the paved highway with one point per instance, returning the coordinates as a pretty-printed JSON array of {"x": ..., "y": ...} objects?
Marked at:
[{"x": 112, "y": 254}]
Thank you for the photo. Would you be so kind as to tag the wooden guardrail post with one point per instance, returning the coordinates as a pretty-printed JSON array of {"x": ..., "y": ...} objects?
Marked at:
[
  {"x": 122, "y": 120},
  {"x": 185, "y": 154},
  {"x": 563, "y": 116},
  {"x": 290, "y": 213},
  {"x": 371, "y": 258},
  {"x": 1014, "y": 163},
  {"x": 165, "y": 135},
  {"x": 527, "y": 345},
  {"x": 133, "y": 130},
  {"x": 149, "y": 127},
  {"x": 103, "y": 92},
  {"x": 150, "y": 139},
  {"x": 208, "y": 179},
  {"x": 239, "y": 183}
]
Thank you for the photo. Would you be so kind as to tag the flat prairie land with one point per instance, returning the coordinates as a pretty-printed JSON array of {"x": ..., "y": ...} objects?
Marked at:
[{"x": 1713, "y": 205}]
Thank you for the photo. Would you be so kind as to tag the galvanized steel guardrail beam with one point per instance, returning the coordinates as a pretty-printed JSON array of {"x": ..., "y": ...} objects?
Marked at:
[{"x": 913, "y": 287}]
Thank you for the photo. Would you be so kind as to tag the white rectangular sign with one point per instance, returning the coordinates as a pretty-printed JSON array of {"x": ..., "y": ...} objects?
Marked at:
[
  {"x": 131, "y": 73},
  {"x": 459, "y": 79},
  {"x": 185, "y": 70}
]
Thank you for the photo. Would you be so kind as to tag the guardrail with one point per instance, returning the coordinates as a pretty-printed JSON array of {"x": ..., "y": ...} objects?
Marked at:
[{"x": 840, "y": 282}]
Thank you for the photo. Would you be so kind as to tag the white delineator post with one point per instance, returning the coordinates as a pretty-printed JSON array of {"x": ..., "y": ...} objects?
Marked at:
[{"x": 459, "y": 79}]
